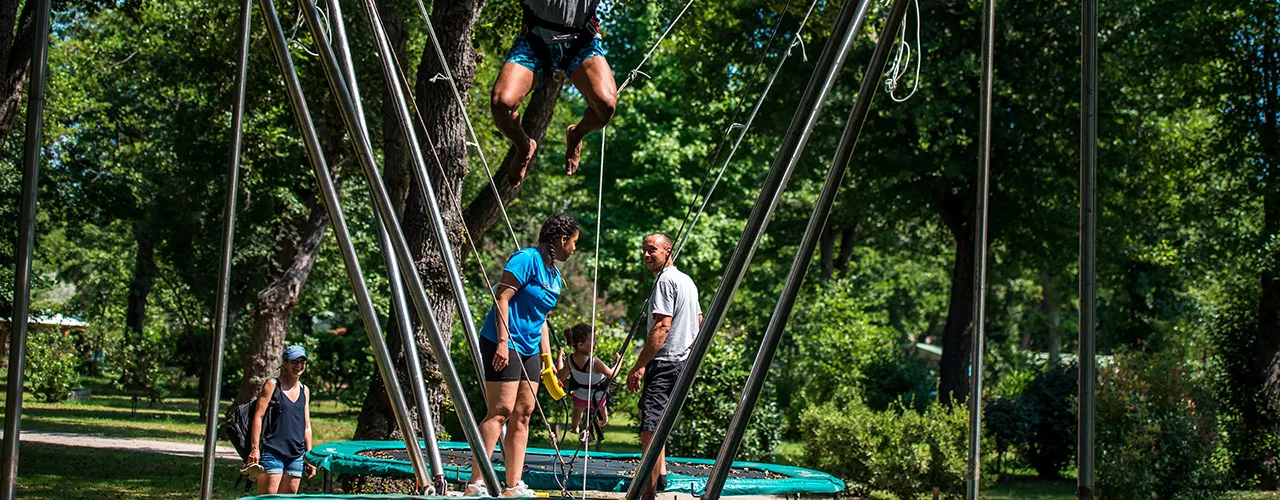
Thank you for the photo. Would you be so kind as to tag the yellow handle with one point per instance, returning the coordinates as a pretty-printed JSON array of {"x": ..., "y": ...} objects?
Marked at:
[{"x": 549, "y": 379}]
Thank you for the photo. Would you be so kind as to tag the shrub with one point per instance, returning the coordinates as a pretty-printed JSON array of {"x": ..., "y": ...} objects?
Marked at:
[
  {"x": 1157, "y": 437},
  {"x": 899, "y": 451},
  {"x": 1011, "y": 424},
  {"x": 714, "y": 398},
  {"x": 836, "y": 344},
  {"x": 144, "y": 365},
  {"x": 1051, "y": 397},
  {"x": 51, "y": 364}
]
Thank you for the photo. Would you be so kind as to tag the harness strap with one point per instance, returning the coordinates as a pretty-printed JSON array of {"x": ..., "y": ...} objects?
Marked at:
[{"x": 581, "y": 41}]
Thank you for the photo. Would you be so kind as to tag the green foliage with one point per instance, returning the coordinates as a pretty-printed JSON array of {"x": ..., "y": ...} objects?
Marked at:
[
  {"x": 52, "y": 362},
  {"x": 144, "y": 365},
  {"x": 1051, "y": 396},
  {"x": 340, "y": 363},
  {"x": 1157, "y": 431},
  {"x": 899, "y": 450},
  {"x": 714, "y": 399},
  {"x": 838, "y": 343},
  {"x": 1248, "y": 416}
]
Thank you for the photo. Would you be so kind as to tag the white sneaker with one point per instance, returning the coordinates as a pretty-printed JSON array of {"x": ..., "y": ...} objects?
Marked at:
[
  {"x": 520, "y": 490},
  {"x": 476, "y": 490}
]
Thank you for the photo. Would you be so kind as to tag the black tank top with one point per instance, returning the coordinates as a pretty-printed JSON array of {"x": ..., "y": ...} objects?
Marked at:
[{"x": 287, "y": 438}]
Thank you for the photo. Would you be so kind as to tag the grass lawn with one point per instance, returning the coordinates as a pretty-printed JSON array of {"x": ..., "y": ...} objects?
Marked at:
[
  {"x": 110, "y": 413},
  {"x": 61, "y": 472},
  {"x": 51, "y": 471}
]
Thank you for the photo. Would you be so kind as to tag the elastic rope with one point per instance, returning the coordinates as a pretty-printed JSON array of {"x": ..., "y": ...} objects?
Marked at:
[
  {"x": 682, "y": 235},
  {"x": 899, "y": 68},
  {"x": 595, "y": 280},
  {"x": 479, "y": 262},
  {"x": 475, "y": 140},
  {"x": 632, "y": 74}
]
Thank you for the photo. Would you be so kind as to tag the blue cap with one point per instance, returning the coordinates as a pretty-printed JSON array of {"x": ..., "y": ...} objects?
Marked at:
[{"x": 294, "y": 352}]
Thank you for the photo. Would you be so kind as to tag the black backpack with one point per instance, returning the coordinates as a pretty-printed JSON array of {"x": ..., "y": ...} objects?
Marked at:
[{"x": 240, "y": 420}]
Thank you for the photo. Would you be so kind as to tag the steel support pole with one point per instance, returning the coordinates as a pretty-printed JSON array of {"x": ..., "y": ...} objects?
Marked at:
[
  {"x": 382, "y": 202},
  {"x": 213, "y": 392},
  {"x": 1088, "y": 240},
  {"x": 852, "y": 14},
  {"x": 804, "y": 256},
  {"x": 25, "y": 248},
  {"x": 399, "y": 304},
  {"x": 329, "y": 194},
  {"x": 391, "y": 72},
  {"x": 982, "y": 186}
]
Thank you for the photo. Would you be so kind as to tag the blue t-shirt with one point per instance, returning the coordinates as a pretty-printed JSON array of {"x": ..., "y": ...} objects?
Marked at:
[{"x": 538, "y": 293}]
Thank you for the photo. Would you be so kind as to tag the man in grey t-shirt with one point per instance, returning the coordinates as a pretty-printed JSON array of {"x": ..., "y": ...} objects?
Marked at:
[
  {"x": 558, "y": 35},
  {"x": 674, "y": 319}
]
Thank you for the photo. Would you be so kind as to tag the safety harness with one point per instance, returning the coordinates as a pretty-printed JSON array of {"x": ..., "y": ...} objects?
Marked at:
[{"x": 582, "y": 40}]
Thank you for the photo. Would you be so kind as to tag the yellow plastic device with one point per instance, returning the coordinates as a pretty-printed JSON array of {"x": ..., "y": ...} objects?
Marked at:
[{"x": 554, "y": 387}]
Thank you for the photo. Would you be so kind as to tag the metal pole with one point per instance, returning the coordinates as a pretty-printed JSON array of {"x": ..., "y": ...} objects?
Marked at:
[
  {"x": 852, "y": 14},
  {"x": 25, "y": 248},
  {"x": 399, "y": 304},
  {"x": 391, "y": 72},
  {"x": 980, "y": 251},
  {"x": 214, "y": 377},
  {"x": 329, "y": 194},
  {"x": 382, "y": 202},
  {"x": 1088, "y": 238},
  {"x": 809, "y": 242}
]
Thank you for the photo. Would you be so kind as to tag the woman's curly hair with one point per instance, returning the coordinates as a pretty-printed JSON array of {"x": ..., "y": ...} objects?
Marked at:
[{"x": 557, "y": 226}]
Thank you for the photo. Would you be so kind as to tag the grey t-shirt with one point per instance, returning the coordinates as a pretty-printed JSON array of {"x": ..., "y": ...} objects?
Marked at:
[
  {"x": 575, "y": 13},
  {"x": 676, "y": 296}
]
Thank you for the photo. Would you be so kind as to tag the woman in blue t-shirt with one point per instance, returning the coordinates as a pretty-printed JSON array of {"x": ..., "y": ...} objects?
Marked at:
[{"x": 513, "y": 337}]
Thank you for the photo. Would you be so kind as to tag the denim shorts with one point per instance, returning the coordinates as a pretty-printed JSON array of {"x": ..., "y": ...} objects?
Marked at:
[
  {"x": 523, "y": 54},
  {"x": 274, "y": 465}
]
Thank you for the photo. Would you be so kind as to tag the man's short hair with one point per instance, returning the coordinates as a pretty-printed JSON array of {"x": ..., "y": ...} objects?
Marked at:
[{"x": 663, "y": 240}]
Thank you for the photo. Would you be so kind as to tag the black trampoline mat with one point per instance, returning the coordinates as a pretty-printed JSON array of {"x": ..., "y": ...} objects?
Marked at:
[{"x": 597, "y": 466}]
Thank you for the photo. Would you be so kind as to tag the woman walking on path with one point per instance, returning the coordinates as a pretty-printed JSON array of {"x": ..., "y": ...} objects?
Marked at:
[
  {"x": 279, "y": 448},
  {"x": 513, "y": 339}
]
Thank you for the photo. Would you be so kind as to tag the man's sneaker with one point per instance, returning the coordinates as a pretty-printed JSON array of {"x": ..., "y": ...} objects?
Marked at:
[
  {"x": 476, "y": 490},
  {"x": 520, "y": 490}
]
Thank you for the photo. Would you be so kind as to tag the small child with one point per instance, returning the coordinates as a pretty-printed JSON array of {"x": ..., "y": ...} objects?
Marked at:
[{"x": 587, "y": 388}]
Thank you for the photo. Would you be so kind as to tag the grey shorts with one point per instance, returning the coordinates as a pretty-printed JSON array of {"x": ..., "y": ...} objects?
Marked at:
[{"x": 659, "y": 381}]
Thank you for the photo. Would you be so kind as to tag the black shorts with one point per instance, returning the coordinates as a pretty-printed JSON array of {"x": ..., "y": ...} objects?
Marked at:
[
  {"x": 512, "y": 373},
  {"x": 660, "y": 378}
]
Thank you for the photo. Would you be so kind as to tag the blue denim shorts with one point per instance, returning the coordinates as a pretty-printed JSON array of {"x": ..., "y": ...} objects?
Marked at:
[
  {"x": 274, "y": 465},
  {"x": 523, "y": 54}
]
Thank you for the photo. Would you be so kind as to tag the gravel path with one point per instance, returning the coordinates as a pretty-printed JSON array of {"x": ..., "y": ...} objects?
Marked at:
[{"x": 127, "y": 444}]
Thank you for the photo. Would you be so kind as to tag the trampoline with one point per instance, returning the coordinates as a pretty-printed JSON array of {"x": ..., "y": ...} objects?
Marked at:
[{"x": 606, "y": 472}]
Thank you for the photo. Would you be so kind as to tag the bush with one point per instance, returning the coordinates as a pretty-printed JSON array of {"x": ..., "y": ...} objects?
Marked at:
[
  {"x": 1051, "y": 397},
  {"x": 1011, "y": 424},
  {"x": 51, "y": 364},
  {"x": 1157, "y": 437},
  {"x": 714, "y": 398},
  {"x": 899, "y": 451},
  {"x": 839, "y": 344},
  {"x": 144, "y": 365}
]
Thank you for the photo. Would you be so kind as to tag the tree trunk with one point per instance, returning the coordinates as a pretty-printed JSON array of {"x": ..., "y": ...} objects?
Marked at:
[
  {"x": 453, "y": 20},
  {"x": 846, "y": 249},
  {"x": 395, "y": 171},
  {"x": 953, "y": 380},
  {"x": 1265, "y": 366},
  {"x": 483, "y": 211},
  {"x": 827, "y": 247},
  {"x": 16, "y": 48},
  {"x": 1052, "y": 308},
  {"x": 293, "y": 258},
  {"x": 144, "y": 276}
]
